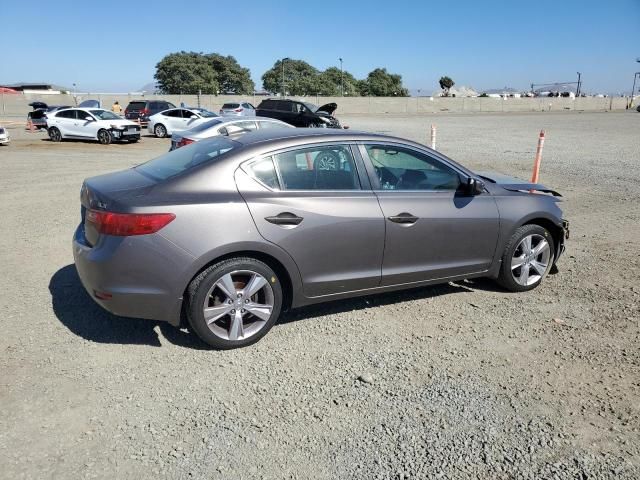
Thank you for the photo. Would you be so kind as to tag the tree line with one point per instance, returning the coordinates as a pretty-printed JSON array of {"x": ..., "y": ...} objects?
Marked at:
[{"x": 212, "y": 73}]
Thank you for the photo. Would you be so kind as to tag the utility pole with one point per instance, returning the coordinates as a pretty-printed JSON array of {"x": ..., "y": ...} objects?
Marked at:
[
  {"x": 578, "y": 89},
  {"x": 341, "y": 79}
]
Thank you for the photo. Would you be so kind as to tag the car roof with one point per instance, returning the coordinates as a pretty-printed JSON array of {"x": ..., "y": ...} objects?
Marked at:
[{"x": 313, "y": 134}]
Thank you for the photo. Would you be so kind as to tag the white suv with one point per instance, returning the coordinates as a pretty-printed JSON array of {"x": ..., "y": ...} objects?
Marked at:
[{"x": 91, "y": 123}]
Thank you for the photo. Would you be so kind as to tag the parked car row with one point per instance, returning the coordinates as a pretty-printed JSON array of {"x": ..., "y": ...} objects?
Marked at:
[{"x": 162, "y": 119}]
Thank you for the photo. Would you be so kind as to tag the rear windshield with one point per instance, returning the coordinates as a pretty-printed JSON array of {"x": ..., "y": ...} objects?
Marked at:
[
  {"x": 231, "y": 105},
  {"x": 204, "y": 126},
  {"x": 205, "y": 113},
  {"x": 183, "y": 159},
  {"x": 136, "y": 105}
]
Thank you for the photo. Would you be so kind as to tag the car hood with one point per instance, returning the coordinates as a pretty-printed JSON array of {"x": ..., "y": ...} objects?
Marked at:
[
  {"x": 515, "y": 184},
  {"x": 327, "y": 108}
]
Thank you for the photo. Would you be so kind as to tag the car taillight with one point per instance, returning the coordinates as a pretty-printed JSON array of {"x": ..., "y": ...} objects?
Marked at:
[
  {"x": 185, "y": 141},
  {"x": 144, "y": 111},
  {"x": 238, "y": 109},
  {"x": 127, "y": 224}
]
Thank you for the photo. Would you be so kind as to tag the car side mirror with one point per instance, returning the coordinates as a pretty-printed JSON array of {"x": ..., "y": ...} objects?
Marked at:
[
  {"x": 474, "y": 186},
  {"x": 88, "y": 119}
]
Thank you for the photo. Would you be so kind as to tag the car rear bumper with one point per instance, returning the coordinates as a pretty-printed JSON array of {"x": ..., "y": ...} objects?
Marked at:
[{"x": 132, "y": 276}]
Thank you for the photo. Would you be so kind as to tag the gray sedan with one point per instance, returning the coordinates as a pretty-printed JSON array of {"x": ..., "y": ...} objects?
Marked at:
[
  {"x": 227, "y": 126},
  {"x": 227, "y": 233}
]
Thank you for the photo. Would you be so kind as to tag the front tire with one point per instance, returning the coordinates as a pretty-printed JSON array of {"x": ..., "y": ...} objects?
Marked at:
[
  {"x": 527, "y": 258},
  {"x": 105, "y": 137},
  {"x": 234, "y": 303},
  {"x": 160, "y": 131},
  {"x": 55, "y": 135}
]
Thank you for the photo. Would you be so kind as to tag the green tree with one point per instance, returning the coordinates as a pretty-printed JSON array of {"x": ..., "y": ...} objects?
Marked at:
[
  {"x": 231, "y": 76},
  {"x": 191, "y": 72},
  {"x": 330, "y": 81},
  {"x": 300, "y": 78},
  {"x": 380, "y": 83},
  {"x": 186, "y": 72},
  {"x": 445, "y": 84}
]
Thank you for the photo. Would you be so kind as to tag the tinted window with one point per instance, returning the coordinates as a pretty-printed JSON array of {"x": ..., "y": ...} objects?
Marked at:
[
  {"x": 136, "y": 105},
  {"x": 264, "y": 171},
  {"x": 231, "y": 106},
  {"x": 174, "y": 113},
  {"x": 268, "y": 104},
  {"x": 66, "y": 114},
  {"x": 398, "y": 168},
  {"x": 183, "y": 159},
  {"x": 246, "y": 105},
  {"x": 318, "y": 168}
]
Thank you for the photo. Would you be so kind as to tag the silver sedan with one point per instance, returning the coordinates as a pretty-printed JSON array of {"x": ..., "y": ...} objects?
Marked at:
[{"x": 227, "y": 126}]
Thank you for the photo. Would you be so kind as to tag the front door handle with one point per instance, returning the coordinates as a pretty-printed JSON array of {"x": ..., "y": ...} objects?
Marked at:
[
  {"x": 285, "y": 218},
  {"x": 403, "y": 217}
]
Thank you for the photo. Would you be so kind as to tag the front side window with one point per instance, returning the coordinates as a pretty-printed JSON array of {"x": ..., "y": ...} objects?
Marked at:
[
  {"x": 327, "y": 167},
  {"x": 399, "y": 168}
]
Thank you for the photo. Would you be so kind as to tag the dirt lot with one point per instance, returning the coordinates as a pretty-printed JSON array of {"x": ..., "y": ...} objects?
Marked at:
[{"x": 457, "y": 381}]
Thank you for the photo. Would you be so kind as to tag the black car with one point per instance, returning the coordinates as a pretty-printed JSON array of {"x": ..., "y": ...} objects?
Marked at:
[
  {"x": 38, "y": 116},
  {"x": 299, "y": 114},
  {"x": 143, "y": 109}
]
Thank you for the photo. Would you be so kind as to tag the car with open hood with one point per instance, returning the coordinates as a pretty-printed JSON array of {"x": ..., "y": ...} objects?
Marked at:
[
  {"x": 299, "y": 114},
  {"x": 226, "y": 233}
]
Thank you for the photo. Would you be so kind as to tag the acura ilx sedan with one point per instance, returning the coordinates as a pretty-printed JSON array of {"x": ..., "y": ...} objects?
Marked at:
[{"x": 226, "y": 233}]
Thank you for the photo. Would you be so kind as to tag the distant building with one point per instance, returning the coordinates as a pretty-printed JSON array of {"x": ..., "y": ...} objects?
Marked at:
[{"x": 41, "y": 88}]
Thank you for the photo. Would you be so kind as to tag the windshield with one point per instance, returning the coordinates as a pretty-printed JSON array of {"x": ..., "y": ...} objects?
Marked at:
[
  {"x": 204, "y": 126},
  {"x": 183, "y": 159},
  {"x": 310, "y": 106},
  {"x": 205, "y": 113},
  {"x": 104, "y": 115}
]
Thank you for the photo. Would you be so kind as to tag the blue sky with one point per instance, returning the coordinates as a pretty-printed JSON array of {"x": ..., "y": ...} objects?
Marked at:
[{"x": 483, "y": 44}]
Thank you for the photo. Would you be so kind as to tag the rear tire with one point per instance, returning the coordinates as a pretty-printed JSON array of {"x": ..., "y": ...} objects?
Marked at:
[
  {"x": 55, "y": 135},
  {"x": 527, "y": 258},
  {"x": 160, "y": 131},
  {"x": 105, "y": 137},
  {"x": 227, "y": 294}
]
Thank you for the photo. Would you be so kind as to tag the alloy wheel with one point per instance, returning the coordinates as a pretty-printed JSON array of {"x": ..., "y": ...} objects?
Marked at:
[
  {"x": 238, "y": 305},
  {"x": 161, "y": 132},
  {"x": 530, "y": 259}
]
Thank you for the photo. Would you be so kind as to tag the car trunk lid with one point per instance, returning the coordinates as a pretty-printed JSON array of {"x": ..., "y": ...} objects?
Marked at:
[{"x": 110, "y": 192}]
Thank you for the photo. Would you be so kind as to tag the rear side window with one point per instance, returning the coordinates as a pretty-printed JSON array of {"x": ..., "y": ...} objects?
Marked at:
[
  {"x": 184, "y": 159},
  {"x": 327, "y": 167},
  {"x": 174, "y": 113},
  {"x": 264, "y": 171},
  {"x": 268, "y": 105},
  {"x": 66, "y": 114}
]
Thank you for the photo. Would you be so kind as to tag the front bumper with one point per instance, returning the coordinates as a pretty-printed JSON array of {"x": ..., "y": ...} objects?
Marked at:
[
  {"x": 132, "y": 276},
  {"x": 128, "y": 133}
]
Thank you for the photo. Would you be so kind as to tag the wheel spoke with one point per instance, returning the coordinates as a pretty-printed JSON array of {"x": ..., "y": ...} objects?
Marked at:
[
  {"x": 211, "y": 314},
  {"x": 539, "y": 267},
  {"x": 517, "y": 262},
  {"x": 236, "y": 329},
  {"x": 541, "y": 247},
  {"x": 526, "y": 245},
  {"x": 254, "y": 285},
  {"x": 263, "y": 312},
  {"x": 524, "y": 275},
  {"x": 226, "y": 285}
]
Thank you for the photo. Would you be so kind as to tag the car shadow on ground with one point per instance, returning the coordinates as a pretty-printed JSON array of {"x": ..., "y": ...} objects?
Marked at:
[{"x": 77, "y": 311}]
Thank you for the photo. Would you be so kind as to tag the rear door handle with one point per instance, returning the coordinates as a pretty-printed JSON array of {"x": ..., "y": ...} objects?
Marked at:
[
  {"x": 403, "y": 217},
  {"x": 285, "y": 218}
]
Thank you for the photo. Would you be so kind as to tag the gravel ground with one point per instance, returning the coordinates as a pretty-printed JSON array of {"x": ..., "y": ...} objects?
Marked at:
[{"x": 457, "y": 381}]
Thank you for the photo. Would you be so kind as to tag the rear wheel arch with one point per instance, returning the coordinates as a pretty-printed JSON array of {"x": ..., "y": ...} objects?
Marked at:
[{"x": 276, "y": 265}]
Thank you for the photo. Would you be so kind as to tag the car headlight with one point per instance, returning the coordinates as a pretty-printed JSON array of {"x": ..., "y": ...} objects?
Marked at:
[{"x": 117, "y": 127}]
